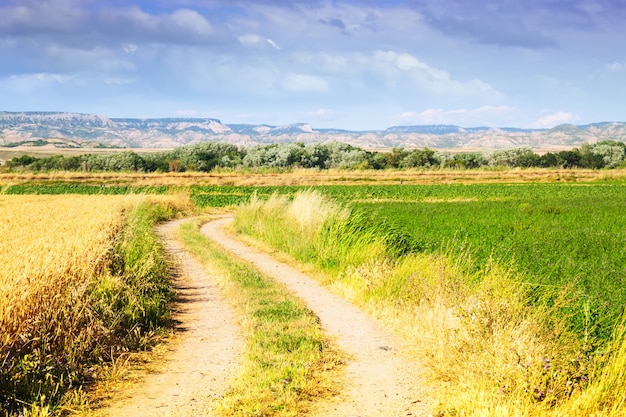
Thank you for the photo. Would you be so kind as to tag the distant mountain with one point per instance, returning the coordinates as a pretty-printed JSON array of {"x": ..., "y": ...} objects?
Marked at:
[{"x": 88, "y": 130}]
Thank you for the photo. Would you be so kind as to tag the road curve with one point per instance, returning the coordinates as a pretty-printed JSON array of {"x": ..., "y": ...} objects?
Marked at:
[{"x": 380, "y": 382}]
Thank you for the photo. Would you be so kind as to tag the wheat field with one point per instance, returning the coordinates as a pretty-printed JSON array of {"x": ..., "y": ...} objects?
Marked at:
[
  {"x": 56, "y": 254},
  {"x": 50, "y": 246}
]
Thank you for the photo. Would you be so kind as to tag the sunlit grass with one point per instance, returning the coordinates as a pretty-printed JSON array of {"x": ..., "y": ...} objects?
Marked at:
[
  {"x": 494, "y": 344},
  {"x": 82, "y": 281},
  {"x": 289, "y": 363}
]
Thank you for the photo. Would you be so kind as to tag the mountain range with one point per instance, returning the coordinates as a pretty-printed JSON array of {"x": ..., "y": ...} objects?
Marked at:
[{"x": 87, "y": 130}]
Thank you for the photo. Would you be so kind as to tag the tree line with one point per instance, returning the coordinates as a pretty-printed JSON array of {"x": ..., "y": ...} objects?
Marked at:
[{"x": 208, "y": 156}]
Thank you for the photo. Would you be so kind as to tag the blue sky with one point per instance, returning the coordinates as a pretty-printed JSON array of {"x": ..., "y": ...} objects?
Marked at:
[{"x": 353, "y": 64}]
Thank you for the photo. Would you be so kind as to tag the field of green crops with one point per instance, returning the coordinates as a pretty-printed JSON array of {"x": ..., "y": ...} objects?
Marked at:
[{"x": 554, "y": 234}]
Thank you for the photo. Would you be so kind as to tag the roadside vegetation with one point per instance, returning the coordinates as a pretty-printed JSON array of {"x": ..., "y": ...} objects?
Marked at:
[
  {"x": 496, "y": 338},
  {"x": 289, "y": 363},
  {"x": 508, "y": 284},
  {"x": 83, "y": 282},
  {"x": 211, "y": 156}
]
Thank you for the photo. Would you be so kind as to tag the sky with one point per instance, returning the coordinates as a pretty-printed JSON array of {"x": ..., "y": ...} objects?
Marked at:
[{"x": 351, "y": 64}]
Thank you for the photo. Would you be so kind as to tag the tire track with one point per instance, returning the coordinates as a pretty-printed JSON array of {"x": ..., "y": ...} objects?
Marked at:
[
  {"x": 205, "y": 355},
  {"x": 380, "y": 382}
]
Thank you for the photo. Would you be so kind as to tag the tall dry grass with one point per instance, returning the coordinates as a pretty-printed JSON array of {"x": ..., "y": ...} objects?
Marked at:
[
  {"x": 317, "y": 177},
  {"x": 492, "y": 345},
  {"x": 56, "y": 257}
]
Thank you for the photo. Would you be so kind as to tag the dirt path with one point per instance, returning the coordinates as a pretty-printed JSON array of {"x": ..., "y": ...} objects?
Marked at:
[
  {"x": 205, "y": 355},
  {"x": 380, "y": 381}
]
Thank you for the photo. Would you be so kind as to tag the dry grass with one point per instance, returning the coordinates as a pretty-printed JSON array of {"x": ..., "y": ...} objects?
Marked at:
[{"x": 315, "y": 177}]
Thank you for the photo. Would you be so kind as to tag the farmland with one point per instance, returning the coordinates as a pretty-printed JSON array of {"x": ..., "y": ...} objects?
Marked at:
[
  {"x": 510, "y": 284},
  {"x": 554, "y": 233},
  {"x": 551, "y": 234},
  {"x": 77, "y": 290},
  {"x": 513, "y": 293}
]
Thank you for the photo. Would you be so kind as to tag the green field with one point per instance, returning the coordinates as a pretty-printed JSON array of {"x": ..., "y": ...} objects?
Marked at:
[{"x": 552, "y": 234}]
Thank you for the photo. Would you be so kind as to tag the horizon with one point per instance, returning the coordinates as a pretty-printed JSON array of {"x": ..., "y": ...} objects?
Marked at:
[
  {"x": 345, "y": 64},
  {"x": 306, "y": 123}
]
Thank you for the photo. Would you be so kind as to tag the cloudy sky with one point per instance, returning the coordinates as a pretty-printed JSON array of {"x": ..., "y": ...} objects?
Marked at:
[{"x": 352, "y": 64}]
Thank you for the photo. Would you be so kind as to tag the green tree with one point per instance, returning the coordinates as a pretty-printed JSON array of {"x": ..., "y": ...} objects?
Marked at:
[{"x": 420, "y": 158}]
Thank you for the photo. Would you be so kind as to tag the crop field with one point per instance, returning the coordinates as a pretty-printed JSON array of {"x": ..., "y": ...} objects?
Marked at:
[
  {"x": 551, "y": 234},
  {"x": 514, "y": 291},
  {"x": 51, "y": 249},
  {"x": 554, "y": 233},
  {"x": 72, "y": 293}
]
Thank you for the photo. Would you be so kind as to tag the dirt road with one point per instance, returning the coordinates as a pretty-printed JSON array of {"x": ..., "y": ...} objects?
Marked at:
[
  {"x": 380, "y": 382},
  {"x": 204, "y": 356}
]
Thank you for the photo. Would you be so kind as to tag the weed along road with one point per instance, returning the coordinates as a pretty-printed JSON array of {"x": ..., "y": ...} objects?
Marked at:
[
  {"x": 208, "y": 351},
  {"x": 379, "y": 380},
  {"x": 189, "y": 379}
]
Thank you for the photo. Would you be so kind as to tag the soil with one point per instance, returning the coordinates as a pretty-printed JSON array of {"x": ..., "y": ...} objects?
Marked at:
[
  {"x": 379, "y": 381},
  {"x": 204, "y": 355}
]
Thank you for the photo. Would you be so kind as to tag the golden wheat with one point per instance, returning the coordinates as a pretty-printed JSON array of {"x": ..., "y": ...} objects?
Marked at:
[
  {"x": 50, "y": 249},
  {"x": 46, "y": 243}
]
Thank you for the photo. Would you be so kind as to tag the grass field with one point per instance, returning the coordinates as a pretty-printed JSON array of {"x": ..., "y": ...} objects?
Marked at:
[
  {"x": 503, "y": 334},
  {"x": 551, "y": 234},
  {"x": 510, "y": 284}
]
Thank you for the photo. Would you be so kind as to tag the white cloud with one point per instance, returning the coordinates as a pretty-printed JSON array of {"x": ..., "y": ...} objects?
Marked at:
[
  {"x": 130, "y": 48},
  {"x": 303, "y": 83},
  {"x": 42, "y": 16},
  {"x": 396, "y": 72},
  {"x": 407, "y": 62},
  {"x": 616, "y": 66},
  {"x": 190, "y": 19},
  {"x": 486, "y": 115},
  {"x": 32, "y": 82},
  {"x": 271, "y": 42},
  {"x": 555, "y": 119},
  {"x": 250, "y": 39}
]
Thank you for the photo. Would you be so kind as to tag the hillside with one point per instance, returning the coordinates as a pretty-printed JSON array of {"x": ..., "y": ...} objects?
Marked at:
[{"x": 78, "y": 130}]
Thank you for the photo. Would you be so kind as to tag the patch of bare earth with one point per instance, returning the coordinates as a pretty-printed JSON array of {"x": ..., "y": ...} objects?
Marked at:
[
  {"x": 204, "y": 356},
  {"x": 380, "y": 380}
]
